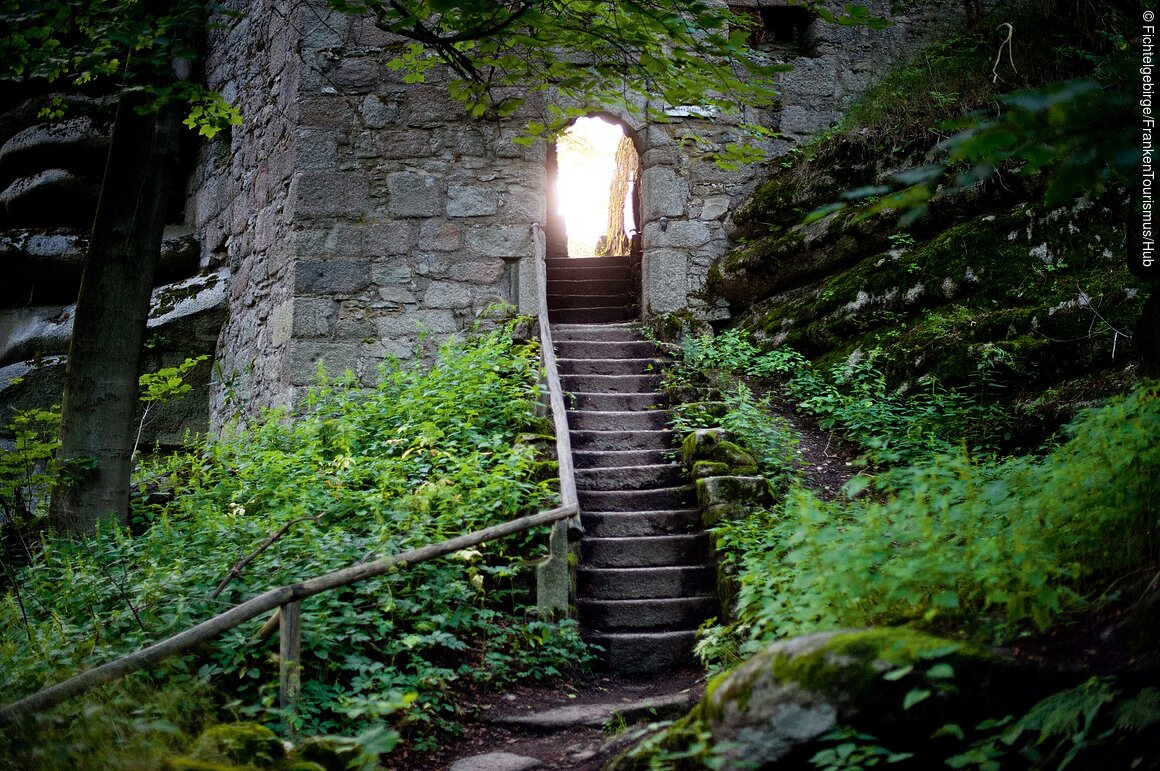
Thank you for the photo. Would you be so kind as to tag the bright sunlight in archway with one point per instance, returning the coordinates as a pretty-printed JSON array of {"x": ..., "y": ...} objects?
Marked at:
[{"x": 586, "y": 158}]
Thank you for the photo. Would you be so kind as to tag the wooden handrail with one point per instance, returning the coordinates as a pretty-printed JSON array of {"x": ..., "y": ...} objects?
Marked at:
[
  {"x": 566, "y": 471},
  {"x": 265, "y": 602}
]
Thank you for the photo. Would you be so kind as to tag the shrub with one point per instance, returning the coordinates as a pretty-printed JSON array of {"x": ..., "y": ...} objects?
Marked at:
[{"x": 429, "y": 453}]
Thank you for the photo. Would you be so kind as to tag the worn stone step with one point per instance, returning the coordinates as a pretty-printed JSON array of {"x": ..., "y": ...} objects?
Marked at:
[
  {"x": 655, "y": 499},
  {"x": 605, "y": 402},
  {"x": 658, "y": 614},
  {"x": 654, "y": 439},
  {"x": 618, "y": 458},
  {"x": 610, "y": 384},
  {"x": 643, "y": 652},
  {"x": 618, "y": 420},
  {"x": 593, "y": 315},
  {"x": 584, "y": 266},
  {"x": 607, "y": 366},
  {"x": 620, "y": 332},
  {"x": 626, "y": 524},
  {"x": 590, "y": 295},
  {"x": 644, "y": 551},
  {"x": 566, "y": 284},
  {"x": 630, "y": 477},
  {"x": 605, "y": 349},
  {"x": 645, "y": 583}
]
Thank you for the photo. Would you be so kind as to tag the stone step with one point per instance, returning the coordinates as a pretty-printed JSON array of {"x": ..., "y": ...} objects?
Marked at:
[
  {"x": 567, "y": 284},
  {"x": 576, "y": 265},
  {"x": 657, "y": 614},
  {"x": 630, "y": 477},
  {"x": 609, "y": 333},
  {"x": 603, "y": 402},
  {"x": 610, "y": 384},
  {"x": 605, "y": 349},
  {"x": 618, "y": 420},
  {"x": 627, "y": 524},
  {"x": 591, "y": 295},
  {"x": 607, "y": 366},
  {"x": 656, "y": 499},
  {"x": 643, "y": 652},
  {"x": 644, "y": 551},
  {"x": 656, "y": 439},
  {"x": 645, "y": 583},
  {"x": 595, "y": 315},
  {"x": 585, "y": 459}
]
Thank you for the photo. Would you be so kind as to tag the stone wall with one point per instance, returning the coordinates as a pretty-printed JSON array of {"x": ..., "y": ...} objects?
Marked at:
[{"x": 357, "y": 213}]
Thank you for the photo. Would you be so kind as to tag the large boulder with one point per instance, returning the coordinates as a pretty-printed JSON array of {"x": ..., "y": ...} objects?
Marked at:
[{"x": 778, "y": 708}]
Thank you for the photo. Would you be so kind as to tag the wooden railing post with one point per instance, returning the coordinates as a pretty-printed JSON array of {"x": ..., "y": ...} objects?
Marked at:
[{"x": 289, "y": 662}]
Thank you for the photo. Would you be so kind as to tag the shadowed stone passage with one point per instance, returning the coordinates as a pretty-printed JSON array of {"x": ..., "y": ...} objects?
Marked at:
[
  {"x": 583, "y": 290},
  {"x": 644, "y": 583}
]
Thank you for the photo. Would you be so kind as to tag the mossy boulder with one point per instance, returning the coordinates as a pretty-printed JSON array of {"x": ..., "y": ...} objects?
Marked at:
[
  {"x": 183, "y": 763},
  {"x": 775, "y": 709},
  {"x": 247, "y": 744},
  {"x": 714, "y": 444},
  {"x": 327, "y": 753},
  {"x": 710, "y": 468},
  {"x": 751, "y": 491}
]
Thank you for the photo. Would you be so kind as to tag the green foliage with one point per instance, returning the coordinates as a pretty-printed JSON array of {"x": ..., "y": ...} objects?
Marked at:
[
  {"x": 590, "y": 53},
  {"x": 130, "y": 46},
  {"x": 951, "y": 539},
  {"x": 1049, "y": 109},
  {"x": 1079, "y": 723},
  {"x": 24, "y": 477},
  {"x": 852, "y": 399},
  {"x": 429, "y": 453}
]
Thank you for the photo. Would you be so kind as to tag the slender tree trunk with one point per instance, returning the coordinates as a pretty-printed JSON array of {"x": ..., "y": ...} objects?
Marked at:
[{"x": 99, "y": 406}]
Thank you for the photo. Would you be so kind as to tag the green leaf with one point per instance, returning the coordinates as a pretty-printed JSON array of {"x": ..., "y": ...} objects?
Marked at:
[{"x": 915, "y": 696}]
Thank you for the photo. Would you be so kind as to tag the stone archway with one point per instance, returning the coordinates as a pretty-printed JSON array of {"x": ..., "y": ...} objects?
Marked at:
[{"x": 593, "y": 222}]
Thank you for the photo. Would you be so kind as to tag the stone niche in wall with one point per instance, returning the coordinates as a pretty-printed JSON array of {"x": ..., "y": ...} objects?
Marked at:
[{"x": 50, "y": 172}]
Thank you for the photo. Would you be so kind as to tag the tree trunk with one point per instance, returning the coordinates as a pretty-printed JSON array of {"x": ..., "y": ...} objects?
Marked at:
[{"x": 99, "y": 406}]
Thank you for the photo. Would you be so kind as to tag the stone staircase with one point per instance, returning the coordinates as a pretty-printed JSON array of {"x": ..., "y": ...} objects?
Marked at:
[
  {"x": 644, "y": 581},
  {"x": 592, "y": 289}
]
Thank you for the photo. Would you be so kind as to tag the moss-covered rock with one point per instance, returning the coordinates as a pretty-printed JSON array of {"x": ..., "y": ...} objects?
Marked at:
[
  {"x": 750, "y": 491},
  {"x": 775, "y": 709},
  {"x": 182, "y": 763},
  {"x": 330, "y": 753},
  {"x": 240, "y": 743},
  {"x": 714, "y": 444},
  {"x": 710, "y": 468}
]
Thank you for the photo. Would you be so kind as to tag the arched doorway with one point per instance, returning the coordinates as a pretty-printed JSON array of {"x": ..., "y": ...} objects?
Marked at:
[{"x": 593, "y": 238}]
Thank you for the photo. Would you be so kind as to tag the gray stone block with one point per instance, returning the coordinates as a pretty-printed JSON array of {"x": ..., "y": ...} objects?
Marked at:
[
  {"x": 664, "y": 193},
  {"x": 666, "y": 280},
  {"x": 414, "y": 195},
  {"x": 437, "y": 235},
  {"x": 483, "y": 272},
  {"x": 337, "y": 277},
  {"x": 447, "y": 294},
  {"x": 470, "y": 201},
  {"x": 377, "y": 113},
  {"x": 499, "y": 241},
  {"x": 393, "y": 237},
  {"x": 312, "y": 316},
  {"x": 324, "y": 193}
]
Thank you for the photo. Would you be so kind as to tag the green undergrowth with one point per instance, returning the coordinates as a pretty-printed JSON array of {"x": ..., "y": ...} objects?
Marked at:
[
  {"x": 990, "y": 547},
  {"x": 940, "y": 529},
  {"x": 429, "y": 453}
]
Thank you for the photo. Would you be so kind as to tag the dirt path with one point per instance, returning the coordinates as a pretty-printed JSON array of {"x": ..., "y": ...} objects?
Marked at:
[{"x": 572, "y": 725}]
